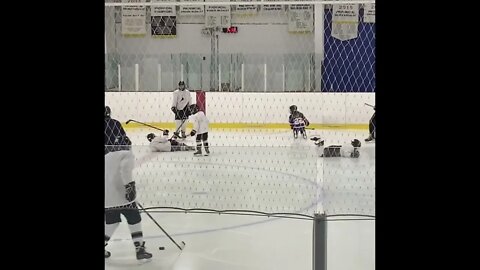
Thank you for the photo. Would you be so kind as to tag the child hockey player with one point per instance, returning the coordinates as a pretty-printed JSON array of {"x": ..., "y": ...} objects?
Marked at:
[
  {"x": 338, "y": 150},
  {"x": 200, "y": 128},
  {"x": 164, "y": 144},
  {"x": 298, "y": 122}
]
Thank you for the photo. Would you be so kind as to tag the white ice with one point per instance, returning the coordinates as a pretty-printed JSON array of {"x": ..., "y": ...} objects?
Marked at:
[{"x": 267, "y": 171}]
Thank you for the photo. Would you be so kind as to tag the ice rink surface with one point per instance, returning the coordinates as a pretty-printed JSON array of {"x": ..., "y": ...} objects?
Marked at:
[{"x": 262, "y": 170}]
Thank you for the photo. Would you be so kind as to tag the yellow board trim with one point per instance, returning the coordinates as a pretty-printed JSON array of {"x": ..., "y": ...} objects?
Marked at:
[
  {"x": 171, "y": 126},
  {"x": 134, "y": 35}
]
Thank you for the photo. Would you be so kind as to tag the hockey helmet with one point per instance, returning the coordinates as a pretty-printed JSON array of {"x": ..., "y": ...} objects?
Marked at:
[
  {"x": 356, "y": 143},
  {"x": 181, "y": 85},
  {"x": 194, "y": 108},
  {"x": 108, "y": 111},
  {"x": 150, "y": 137},
  {"x": 293, "y": 108}
]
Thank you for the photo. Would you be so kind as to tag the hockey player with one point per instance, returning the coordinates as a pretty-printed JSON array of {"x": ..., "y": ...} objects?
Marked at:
[
  {"x": 338, "y": 150},
  {"x": 114, "y": 132},
  {"x": 120, "y": 189},
  {"x": 180, "y": 104},
  {"x": 164, "y": 144},
  {"x": 371, "y": 128},
  {"x": 200, "y": 128},
  {"x": 298, "y": 122}
]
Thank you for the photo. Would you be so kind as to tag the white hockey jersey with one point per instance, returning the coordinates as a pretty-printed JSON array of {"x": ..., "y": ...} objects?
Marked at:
[
  {"x": 181, "y": 99},
  {"x": 346, "y": 150},
  {"x": 160, "y": 144},
  {"x": 118, "y": 172},
  {"x": 200, "y": 122}
]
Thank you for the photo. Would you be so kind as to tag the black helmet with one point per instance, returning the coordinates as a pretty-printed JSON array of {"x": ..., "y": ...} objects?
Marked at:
[
  {"x": 181, "y": 83},
  {"x": 293, "y": 108},
  {"x": 150, "y": 137},
  {"x": 108, "y": 111},
  {"x": 194, "y": 108},
  {"x": 356, "y": 143}
]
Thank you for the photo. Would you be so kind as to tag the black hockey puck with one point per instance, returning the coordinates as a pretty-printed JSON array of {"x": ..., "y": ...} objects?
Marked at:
[{"x": 161, "y": 248}]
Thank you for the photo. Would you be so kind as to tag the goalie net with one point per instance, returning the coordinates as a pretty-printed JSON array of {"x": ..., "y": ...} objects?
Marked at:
[{"x": 245, "y": 64}]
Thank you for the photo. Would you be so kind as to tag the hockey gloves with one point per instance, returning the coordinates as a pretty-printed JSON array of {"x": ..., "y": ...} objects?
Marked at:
[{"x": 131, "y": 192}]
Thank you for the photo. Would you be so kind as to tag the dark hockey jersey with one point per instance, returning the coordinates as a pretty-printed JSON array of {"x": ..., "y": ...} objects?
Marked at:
[{"x": 116, "y": 138}]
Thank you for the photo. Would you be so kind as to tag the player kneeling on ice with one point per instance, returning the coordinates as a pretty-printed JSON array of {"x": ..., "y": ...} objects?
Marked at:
[
  {"x": 120, "y": 192},
  {"x": 200, "y": 128},
  {"x": 338, "y": 150},
  {"x": 298, "y": 122},
  {"x": 164, "y": 144}
]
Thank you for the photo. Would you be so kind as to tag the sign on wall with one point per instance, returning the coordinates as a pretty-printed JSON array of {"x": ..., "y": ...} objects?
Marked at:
[
  {"x": 134, "y": 19},
  {"x": 300, "y": 18},
  {"x": 218, "y": 15},
  {"x": 191, "y": 10},
  {"x": 271, "y": 9},
  {"x": 163, "y": 20},
  {"x": 245, "y": 9},
  {"x": 369, "y": 13},
  {"x": 345, "y": 21}
]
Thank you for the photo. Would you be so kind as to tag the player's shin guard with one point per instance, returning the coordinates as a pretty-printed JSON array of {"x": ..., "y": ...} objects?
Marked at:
[
  {"x": 136, "y": 231},
  {"x": 304, "y": 133},
  {"x": 205, "y": 144},
  {"x": 199, "y": 148}
]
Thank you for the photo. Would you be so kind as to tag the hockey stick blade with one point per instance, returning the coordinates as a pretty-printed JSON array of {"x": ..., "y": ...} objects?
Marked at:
[
  {"x": 176, "y": 131},
  {"x": 158, "y": 225}
]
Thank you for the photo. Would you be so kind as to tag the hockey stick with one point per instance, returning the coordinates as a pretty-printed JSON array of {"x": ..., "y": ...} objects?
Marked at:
[
  {"x": 179, "y": 127},
  {"x": 183, "y": 243},
  {"x": 309, "y": 128},
  {"x": 369, "y": 105},
  {"x": 131, "y": 120}
]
